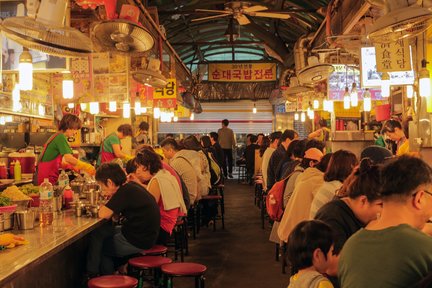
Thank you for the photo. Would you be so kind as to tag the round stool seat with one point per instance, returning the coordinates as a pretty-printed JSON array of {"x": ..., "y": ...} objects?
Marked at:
[
  {"x": 155, "y": 250},
  {"x": 184, "y": 269},
  {"x": 113, "y": 281},
  {"x": 211, "y": 197},
  {"x": 146, "y": 262}
]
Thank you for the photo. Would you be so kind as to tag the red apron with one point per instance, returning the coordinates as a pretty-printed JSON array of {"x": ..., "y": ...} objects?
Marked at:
[
  {"x": 106, "y": 156},
  {"x": 48, "y": 169}
]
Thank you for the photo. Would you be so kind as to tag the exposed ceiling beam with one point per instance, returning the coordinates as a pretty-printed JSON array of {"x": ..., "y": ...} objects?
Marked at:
[{"x": 237, "y": 42}]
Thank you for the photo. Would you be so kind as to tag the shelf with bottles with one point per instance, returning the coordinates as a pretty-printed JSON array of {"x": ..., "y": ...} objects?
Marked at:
[{"x": 347, "y": 123}]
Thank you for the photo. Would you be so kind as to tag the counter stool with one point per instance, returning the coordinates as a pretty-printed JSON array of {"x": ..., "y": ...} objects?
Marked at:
[
  {"x": 180, "y": 239},
  {"x": 148, "y": 266},
  {"x": 113, "y": 281},
  {"x": 185, "y": 269},
  {"x": 258, "y": 191},
  {"x": 220, "y": 201},
  {"x": 156, "y": 250},
  {"x": 241, "y": 173}
]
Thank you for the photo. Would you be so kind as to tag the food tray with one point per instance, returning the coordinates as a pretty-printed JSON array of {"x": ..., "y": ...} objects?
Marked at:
[{"x": 8, "y": 209}]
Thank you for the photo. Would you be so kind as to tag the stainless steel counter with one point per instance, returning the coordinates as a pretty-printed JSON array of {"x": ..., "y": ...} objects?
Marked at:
[
  {"x": 354, "y": 141},
  {"x": 44, "y": 243}
]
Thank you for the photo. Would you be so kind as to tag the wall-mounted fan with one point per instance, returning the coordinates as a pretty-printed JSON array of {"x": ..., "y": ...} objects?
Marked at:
[
  {"x": 402, "y": 21},
  {"x": 295, "y": 88},
  {"x": 315, "y": 71},
  {"x": 239, "y": 10},
  {"x": 150, "y": 74},
  {"x": 45, "y": 31},
  {"x": 120, "y": 35}
]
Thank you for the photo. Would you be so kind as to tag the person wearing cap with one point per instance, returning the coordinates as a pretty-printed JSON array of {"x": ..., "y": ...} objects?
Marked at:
[
  {"x": 376, "y": 154},
  {"x": 392, "y": 251},
  {"x": 306, "y": 186},
  {"x": 393, "y": 130}
]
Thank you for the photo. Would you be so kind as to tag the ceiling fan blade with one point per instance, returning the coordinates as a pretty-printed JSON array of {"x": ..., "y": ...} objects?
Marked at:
[
  {"x": 209, "y": 18},
  {"x": 255, "y": 8},
  {"x": 242, "y": 20},
  {"x": 214, "y": 11},
  {"x": 271, "y": 15}
]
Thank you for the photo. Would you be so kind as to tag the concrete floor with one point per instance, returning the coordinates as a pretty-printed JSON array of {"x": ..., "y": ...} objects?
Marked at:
[{"x": 241, "y": 255}]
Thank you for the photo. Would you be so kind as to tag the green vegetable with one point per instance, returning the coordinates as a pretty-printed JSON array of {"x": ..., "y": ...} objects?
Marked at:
[
  {"x": 4, "y": 201},
  {"x": 30, "y": 189}
]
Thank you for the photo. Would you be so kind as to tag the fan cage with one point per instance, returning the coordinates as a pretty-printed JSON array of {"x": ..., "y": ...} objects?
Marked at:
[
  {"x": 403, "y": 29},
  {"x": 313, "y": 74},
  {"x": 57, "y": 41},
  {"x": 150, "y": 77}
]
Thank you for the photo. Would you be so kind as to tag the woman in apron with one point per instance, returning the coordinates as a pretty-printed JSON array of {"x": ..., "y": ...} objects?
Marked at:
[
  {"x": 111, "y": 148},
  {"x": 394, "y": 131},
  {"x": 57, "y": 150}
]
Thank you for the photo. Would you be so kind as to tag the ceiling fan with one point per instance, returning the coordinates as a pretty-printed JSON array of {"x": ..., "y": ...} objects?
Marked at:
[{"x": 239, "y": 10}]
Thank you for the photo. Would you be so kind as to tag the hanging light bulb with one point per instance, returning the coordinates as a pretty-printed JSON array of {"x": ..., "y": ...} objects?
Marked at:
[
  {"x": 41, "y": 110},
  {"x": 156, "y": 112},
  {"x": 144, "y": 110},
  {"x": 8, "y": 118},
  {"x": 83, "y": 106},
  {"x": 16, "y": 93},
  {"x": 192, "y": 116},
  {"x": 126, "y": 110},
  {"x": 254, "y": 109},
  {"x": 112, "y": 106},
  {"x": 302, "y": 117},
  {"x": 367, "y": 101},
  {"x": 354, "y": 95},
  {"x": 25, "y": 68},
  {"x": 410, "y": 91},
  {"x": 315, "y": 104},
  {"x": 310, "y": 113},
  {"x": 175, "y": 118},
  {"x": 16, "y": 106},
  {"x": 137, "y": 107},
  {"x": 71, "y": 105},
  {"x": 424, "y": 80},
  {"x": 296, "y": 116},
  {"x": 67, "y": 86},
  {"x": 94, "y": 108},
  {"x": 347, "y": 99},
  {"x": 385, "y": 85},
  {"x": 2, "y": 120},
  {"x": 330, "y": 106}
]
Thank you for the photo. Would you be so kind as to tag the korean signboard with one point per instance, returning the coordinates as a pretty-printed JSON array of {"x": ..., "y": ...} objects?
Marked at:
[
  {"x": 370, "y": 76},
  {"x": 241, "y": 72},
  {"x": 166, "y": 97},
  {"x": 394, "y": 56}
]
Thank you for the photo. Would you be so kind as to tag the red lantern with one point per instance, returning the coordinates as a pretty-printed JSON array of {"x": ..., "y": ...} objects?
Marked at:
[{"x": 92, "y": 4}]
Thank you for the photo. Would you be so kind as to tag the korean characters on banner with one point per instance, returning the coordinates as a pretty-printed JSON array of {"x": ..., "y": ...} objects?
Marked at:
[
  {"x": 166, "y": 97},
  {"x": 242, "y": 72},
  {"x": 394, "y": 56}
]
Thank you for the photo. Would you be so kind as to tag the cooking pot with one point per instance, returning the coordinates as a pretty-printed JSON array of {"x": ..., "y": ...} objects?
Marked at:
[
  {"x": 4, "y": 157},
  {"x": 27, "y": 161}
]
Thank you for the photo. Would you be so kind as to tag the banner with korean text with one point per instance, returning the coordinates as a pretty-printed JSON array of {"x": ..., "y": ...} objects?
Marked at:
[
  {"x": 241, "y": 72},
  {"x": 166, "y": 97}
]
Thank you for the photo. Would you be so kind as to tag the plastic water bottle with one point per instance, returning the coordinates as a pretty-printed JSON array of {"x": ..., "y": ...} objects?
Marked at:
[
  {"x": 46, "y": 207},
  {"x": 17, "y": 171},
  {"x": 63, "y": 180}
]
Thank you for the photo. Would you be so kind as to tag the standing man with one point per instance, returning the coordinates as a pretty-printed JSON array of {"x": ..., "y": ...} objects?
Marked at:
[{"x": 227, "y": 142}]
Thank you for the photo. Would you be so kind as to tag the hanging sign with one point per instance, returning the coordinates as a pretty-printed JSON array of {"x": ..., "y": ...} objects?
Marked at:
[
  {"x": 241, "y": 72},
  {"x": 166, "y": 97},
  {"x": 393, "y": 56}
]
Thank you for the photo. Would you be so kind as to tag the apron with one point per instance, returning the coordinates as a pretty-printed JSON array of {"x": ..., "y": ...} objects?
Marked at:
[
  {"x": 48, "y": 169},
  {"x": 106, "y": 156}
]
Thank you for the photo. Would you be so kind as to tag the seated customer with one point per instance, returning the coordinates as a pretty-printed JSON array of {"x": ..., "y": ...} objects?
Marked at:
[
  {"x": 164, "y": 188},
  {"x": 392, "y": 251},
  {"x": 134, "y": 207},
  {"x": 310, "y": 252}
]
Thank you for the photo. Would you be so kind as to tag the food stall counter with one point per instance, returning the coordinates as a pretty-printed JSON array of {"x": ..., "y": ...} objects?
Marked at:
[
  {"x": 354, "y": 141},
  {"x": 25, "y": 265}
]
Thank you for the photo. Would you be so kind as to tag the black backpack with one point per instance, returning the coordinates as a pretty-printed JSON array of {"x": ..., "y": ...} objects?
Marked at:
[{"x": 185, "y": 193}]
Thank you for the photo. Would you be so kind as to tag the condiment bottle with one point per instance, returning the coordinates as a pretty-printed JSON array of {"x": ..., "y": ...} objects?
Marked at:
[
  {"x": 68, "y": 196},
  {"x": 17, "y": 171},
  {"x": 11, "y": 170},
  {"x": 3, "y": 171}
]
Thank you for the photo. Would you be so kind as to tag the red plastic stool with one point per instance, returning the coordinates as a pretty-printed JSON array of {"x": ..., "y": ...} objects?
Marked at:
[
  {"x": 184, "y": 269},
  {"x": 113, "y": 281},
  {"x": 156, "y": 250},
  {"x": 149, "y": 264}
]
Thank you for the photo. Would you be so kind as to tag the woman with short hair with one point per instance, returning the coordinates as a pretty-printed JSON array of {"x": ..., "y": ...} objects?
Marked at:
[{"x": 111, "y": 149}]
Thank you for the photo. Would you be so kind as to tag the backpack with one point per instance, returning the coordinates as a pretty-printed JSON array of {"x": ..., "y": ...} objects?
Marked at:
[
  {"x": 215, "y": 170},
  {"x": 274, "y": 200}
]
